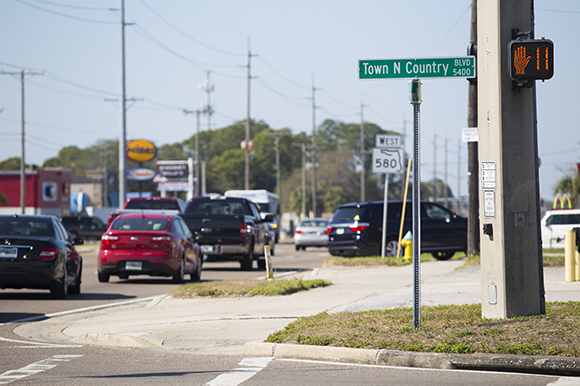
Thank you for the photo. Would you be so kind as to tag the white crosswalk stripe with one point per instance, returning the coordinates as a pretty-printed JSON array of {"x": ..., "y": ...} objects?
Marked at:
[
  {"x": 249, "y": 368},
  {"x": 35, "y": 368}
]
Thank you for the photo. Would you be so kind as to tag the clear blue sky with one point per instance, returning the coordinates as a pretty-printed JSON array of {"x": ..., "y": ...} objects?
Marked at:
[{"x": 171, "y": 44}]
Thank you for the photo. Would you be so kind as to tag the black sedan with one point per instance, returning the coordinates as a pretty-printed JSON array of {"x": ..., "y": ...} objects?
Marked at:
[{"x": 36, "y": 252}]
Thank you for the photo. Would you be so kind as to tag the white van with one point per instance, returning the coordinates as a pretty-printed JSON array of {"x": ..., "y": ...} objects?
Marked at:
[{"x": 555, "y": 223}]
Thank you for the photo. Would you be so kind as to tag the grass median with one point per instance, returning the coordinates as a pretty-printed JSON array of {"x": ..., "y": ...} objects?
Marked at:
[
  {"x": 444, "y": 329},
  {"x": 245, "y": 288}
]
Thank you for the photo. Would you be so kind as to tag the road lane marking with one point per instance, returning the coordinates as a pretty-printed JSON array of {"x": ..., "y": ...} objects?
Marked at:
[
  {"x": 37, "y": 344},
  {"x": 35, "y": 368},
  {"x": 78, "y": 310},
  {"x": 250, "y": 367}
]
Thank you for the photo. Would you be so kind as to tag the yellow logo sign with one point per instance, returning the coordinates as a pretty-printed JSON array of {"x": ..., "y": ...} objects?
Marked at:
[{"x": 140, "y": 150}]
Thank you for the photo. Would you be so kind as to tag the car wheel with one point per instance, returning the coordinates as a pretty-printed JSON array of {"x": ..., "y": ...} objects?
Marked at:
[
  {"x": 59, "y": 290},
  {"x": 297, "y": 247},
  {"x": 247, "y": 260},
  {"x": 76, "y": 287},
  {"x": 391, "y": 247},
  {"x": 179, "y": 276},
  {"x": 196, "y": 274},
  {"x": 443, "y": 255},
  {"x": 103, "y": 277}
]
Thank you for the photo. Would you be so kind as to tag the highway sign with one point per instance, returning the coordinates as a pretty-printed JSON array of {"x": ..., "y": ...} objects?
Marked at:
[
  {"x": 387, "y": 160},
  {"x": 382, "y": 140},
  {"x": 463, "y": 67}
]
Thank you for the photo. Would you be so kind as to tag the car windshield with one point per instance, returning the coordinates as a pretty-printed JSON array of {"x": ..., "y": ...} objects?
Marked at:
[
  {"x": 314, "y": 223},
  {"x": 151, "y": 204},
  {"x": 563, "y": 219},
  {"x": 26, "y": 226},
  {"x": 347, "y": 214},
  {"x": 217, "y": 207},
  {"x": 140, "y": 224}
]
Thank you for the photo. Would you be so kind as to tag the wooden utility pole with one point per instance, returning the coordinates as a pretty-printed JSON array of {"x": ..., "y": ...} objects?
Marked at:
[{"x": 472, "y": 153}]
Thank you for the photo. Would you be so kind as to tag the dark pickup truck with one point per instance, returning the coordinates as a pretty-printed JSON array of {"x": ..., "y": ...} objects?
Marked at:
[{"x": 229, "y": 228}]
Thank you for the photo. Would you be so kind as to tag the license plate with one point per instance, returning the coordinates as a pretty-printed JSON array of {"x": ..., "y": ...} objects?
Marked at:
[
  {"x": 133, "y": 265},
  {"x": 339, "y": 231},
  {"x": 207, "y": 248},
  {"x": 8, "y": 253}
]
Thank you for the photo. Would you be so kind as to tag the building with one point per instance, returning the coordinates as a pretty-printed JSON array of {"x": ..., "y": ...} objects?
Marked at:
[{"x": 47, "y": 191}]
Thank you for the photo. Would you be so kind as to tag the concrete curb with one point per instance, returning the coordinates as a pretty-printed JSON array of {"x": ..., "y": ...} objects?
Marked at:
[
  {"x": 111, "y": 340},
  {"x": 550, "y": 365}
]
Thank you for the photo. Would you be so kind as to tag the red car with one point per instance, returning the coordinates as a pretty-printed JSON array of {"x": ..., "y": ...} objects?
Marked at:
[{"x": 149, "y": 244}]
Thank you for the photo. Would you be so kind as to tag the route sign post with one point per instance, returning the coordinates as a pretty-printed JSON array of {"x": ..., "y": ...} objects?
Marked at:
[
  {"x": 461, "y": 67},
  {"x": 387, "y": 158}
]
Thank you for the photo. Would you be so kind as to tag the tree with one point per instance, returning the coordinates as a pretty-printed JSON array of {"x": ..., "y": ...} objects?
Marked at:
[{"x": 13, "y": 163}]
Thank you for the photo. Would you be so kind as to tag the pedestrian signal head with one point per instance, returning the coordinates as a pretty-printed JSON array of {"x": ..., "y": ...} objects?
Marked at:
[{"x": 531, "y": 59}]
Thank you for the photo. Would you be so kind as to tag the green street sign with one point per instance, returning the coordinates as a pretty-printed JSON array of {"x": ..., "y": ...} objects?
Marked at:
[{"x": 463, "y": 67}]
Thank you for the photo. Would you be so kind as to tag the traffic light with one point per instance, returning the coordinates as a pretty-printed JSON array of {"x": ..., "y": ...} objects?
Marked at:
[{"x": 531, "y": 59}]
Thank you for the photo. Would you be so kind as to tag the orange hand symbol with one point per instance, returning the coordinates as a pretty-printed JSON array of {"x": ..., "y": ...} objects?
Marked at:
[{"x": 521, "y": 60}]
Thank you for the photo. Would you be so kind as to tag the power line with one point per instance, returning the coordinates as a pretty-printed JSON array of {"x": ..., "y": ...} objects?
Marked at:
[
  {"x": 286, "y": 97},
  {"x": 451, "y": 29},
  {"x": 65, "y": 15},
  {"x": 200, "y": 65},
  {"x": 185, "y": 34},
  {"x": 75, "y": 6},
  {"x": 282, "y": 76}
]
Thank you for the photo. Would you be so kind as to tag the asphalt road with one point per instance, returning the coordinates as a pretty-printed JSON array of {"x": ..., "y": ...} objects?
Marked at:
[
  {"x": 27, "y": 362},
  {"x": 24, "y": 304}
]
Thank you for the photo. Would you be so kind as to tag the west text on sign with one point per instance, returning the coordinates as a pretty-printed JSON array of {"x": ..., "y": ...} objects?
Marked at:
[{"x": 463, "y": 67}]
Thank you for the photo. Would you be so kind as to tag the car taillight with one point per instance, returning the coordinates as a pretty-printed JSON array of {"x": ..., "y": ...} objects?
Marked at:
[
  {"x": 47, "y": 253},
  {"x": 329, "y": 230},
  {"x": 74, "y": 255},
  {"x": 357, "y": 228},
  {"x": 298, "y": 232},
  {"x": 243, "y": 229},
  {"x": 108, "y": 239},
  {"x": 325, "y": 232}
]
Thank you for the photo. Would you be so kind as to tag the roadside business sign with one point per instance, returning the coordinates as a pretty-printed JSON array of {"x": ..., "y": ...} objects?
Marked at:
[
  {"x": 140, "y": 174},
  {"x": 140, "y": 150},
  {"x": 173, "y": 169},
  {"x": 446, "y": 67}
]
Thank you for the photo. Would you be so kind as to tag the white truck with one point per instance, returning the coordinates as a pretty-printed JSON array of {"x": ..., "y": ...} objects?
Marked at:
[{"x": 267, "y": 202}]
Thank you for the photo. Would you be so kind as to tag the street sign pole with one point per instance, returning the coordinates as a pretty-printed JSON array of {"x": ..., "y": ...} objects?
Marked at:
[
  {"x": 415, "y": 100},
  {"x": 386, "y": 206}
]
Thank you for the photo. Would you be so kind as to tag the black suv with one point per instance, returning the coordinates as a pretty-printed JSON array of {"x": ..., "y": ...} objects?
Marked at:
[
  {"x": 84, "y": 226},
  {"x": 356, "y": 229}
]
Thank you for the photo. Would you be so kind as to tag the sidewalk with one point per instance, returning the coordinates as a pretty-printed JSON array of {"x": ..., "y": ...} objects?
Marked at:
[{"x": 239, "y": 326}]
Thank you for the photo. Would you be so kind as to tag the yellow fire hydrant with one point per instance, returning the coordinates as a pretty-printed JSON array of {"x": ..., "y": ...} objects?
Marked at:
[{"x": 407, "y": 243}]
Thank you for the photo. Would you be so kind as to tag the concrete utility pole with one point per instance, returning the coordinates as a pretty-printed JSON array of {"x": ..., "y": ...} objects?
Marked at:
[
  {"x": 122, "y": 119},
  {"x": 313, "y": 148},
  {"x": 472, "y": 154},
  {"x": 247, "y": 168},
  {"x": 21, "y": 74},
  {"x": 277, "y": 134},
  {"x": 197, "y": 157},
  {"x": 511, "y": 258}
]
